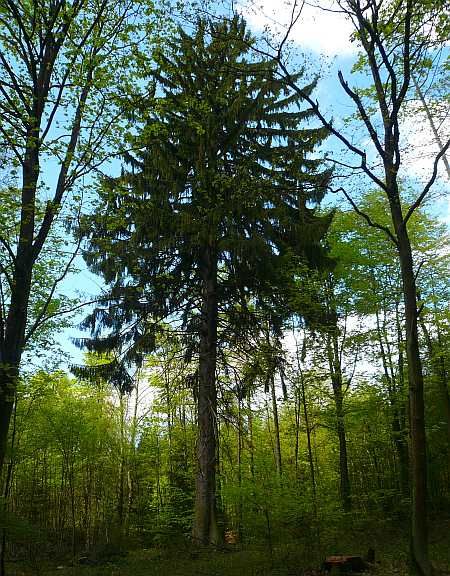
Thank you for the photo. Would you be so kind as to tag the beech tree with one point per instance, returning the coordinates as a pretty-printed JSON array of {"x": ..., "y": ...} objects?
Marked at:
[
  {"x": 62, "y": 64},
  {"x": 394, "y": 40},
  {"x": 210, "y": 216}
]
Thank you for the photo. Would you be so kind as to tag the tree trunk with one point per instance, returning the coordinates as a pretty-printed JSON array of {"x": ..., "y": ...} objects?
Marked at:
[
  {"x": 251, "y": 447},
  {"x": 402, "y": 412},
  {"x": 276, "y": 425},
  {"x": 336, "y": 380},
  {"x": 297, "y": 408},
  {"x": 205, "y": 528},
  {"x": 440, "y": 370},
  {"x": 343, "y": 459},
  {"x": 11, "y": 348},
  {"x": 398, "y": 435},
  {"x": 8, "y": 383},
  {"x": 122, "y": 466},
  {"x": 308, "y": 437},
  {"x": 419, "y": 521},
  {"x": 239, "y": 459},
  {"x": 6, "y": 489}
]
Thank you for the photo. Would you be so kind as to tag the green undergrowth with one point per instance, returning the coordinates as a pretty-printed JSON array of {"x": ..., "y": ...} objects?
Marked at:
[{"x": 295, "y": 558}]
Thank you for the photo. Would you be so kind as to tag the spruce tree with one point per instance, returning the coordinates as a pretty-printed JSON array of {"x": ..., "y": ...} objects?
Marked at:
[{"x": 209, "y": 219}]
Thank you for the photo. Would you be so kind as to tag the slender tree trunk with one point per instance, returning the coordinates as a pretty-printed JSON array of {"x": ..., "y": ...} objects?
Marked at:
[
  {"x": 132, "y": 465},
  {"x": 402, "y": 412},
  {"x": 122, "y": 465},
  {"x": 308, "y": 438},
  {"x": 439, "y": 368},
  {"x": 205, "y": 528},
  {"x": 250, "y": 437},
  {"x": 338, "y": 392},
  {"x": 297, "y": 406},
  {"x": 169, "y": 421},
  {"x": 302, "y": 400},
  {"x": 343, "y": 459},
  {"x": 398, "y": 435},
  {"x": 276, "y": 425},
  {"x": 239, "y": 459}
]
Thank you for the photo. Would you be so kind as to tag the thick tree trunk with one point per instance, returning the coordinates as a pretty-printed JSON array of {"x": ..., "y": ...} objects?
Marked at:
[
  {"x": 8, "y": 384},
  {"x": 205, "y": 529},
  {"x": 6, "y": 408},
  {"x": 6, "y": 489},
  {"x": 12, "y": 345},
  {"x": 419, "y": 522}
]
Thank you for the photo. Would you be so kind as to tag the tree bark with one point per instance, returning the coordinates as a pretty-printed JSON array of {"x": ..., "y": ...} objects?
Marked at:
[
  {"x": 419, "y": 521},
  {"x": 8, "y": 384},
  {"x": 205, "y": 528}
]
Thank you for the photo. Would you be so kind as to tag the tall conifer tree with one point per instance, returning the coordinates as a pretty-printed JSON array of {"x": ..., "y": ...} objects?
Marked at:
[{"x": 210, "y": 214}]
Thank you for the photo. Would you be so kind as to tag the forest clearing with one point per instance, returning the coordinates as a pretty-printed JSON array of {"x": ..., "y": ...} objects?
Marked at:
[{"x": 224, "y": 288}]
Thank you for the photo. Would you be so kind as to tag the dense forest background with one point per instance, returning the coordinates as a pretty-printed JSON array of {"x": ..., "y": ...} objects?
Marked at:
[{"x": 264, "y": 366}]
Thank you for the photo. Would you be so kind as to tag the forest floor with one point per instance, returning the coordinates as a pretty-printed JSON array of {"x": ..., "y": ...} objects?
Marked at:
[{"x": 300, "y": 558}]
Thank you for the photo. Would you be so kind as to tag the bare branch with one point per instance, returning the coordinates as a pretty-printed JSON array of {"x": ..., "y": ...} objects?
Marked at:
[
  {"x": 8, "y": 248},
  {"x": 61, "y": 184},
  {"x": 430, "y": 183},
  {"x": 366, "y": 217},
  {"x": 363, "y": 113},
  {"x": 287, "y": 77},
  {"x": 41, "y": 317}
]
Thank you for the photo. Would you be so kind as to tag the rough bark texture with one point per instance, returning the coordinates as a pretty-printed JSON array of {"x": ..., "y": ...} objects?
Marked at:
[
  {"x": 8, "y": 383},
  {"x": 419, "y": 522},
  {"x": 11, "y": 348},
  {"x": 205, "y": 529}
]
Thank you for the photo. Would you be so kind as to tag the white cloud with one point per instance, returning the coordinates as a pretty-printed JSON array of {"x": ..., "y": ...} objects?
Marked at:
[
  {"x": 320, "y": 30},
  {"x": 326, "y": 31}
]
